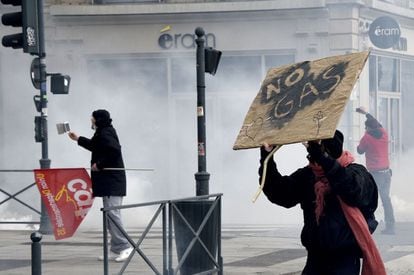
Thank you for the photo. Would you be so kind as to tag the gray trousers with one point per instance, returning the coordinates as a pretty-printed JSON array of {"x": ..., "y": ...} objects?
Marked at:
[
  {"x": 383, "y": 180},
  {"x": 118, "y": 241}
]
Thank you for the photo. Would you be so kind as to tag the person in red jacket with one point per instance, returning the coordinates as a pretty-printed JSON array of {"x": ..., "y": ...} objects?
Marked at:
[{"x": 374, "y": 144}]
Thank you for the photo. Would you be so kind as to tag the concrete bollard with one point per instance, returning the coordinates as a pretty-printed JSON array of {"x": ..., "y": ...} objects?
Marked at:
[{"x": 36, "y": 253}]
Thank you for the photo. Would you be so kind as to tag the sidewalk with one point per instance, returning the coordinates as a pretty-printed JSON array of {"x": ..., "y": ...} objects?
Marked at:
[{"x": 246, "y": 249}]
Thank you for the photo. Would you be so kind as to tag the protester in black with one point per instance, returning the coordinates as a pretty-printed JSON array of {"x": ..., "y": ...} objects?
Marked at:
[
  {"x": 318, "y": 188},
  {"x": 107, "y": 182}
]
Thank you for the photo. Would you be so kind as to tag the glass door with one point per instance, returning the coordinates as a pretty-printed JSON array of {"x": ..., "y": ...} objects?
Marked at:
[
  {"x": 385, "y": 98},
  {"x": 389, "y": 116}
]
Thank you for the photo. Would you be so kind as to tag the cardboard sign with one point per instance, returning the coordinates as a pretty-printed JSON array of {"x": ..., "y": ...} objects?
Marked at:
[{"x": 301, "y": 102}]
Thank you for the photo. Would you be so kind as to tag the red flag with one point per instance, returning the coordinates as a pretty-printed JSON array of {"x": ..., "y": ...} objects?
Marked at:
[{"x": 67, "y": 195}]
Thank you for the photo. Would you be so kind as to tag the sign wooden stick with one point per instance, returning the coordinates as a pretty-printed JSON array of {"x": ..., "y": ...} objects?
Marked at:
[{"x": 262, "y": 183}]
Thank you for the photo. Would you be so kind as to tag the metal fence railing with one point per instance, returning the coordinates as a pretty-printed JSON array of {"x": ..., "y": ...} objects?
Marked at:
[
  {"x": 10, "y": 196},
  {"x": 171, "y": 212}
]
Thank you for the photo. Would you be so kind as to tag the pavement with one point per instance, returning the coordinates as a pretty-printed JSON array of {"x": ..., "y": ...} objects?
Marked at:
[{"x": 246, "y": 249}]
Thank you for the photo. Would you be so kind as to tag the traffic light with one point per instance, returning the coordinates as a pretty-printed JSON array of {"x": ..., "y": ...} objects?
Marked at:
[
  {"x": 211, "y": 59},
  {"x": 59, "y": 84},
  {"x": 40, "y": 131},
  {"x": 27, "y": 19}
]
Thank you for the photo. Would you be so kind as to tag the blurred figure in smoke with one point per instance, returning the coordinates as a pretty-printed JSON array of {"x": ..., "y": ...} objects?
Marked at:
[
  {"x": 374, "y": 144},
  {"x": 338, "y": 199},
  {"x": 109, "y": 184}
]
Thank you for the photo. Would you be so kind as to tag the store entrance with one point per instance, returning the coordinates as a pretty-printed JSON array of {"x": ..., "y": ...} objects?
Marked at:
[{"x": 389, "y": 115}]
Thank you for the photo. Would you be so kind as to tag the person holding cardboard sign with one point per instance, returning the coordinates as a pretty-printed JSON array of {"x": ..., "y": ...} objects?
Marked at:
[{"x": 338, "y": 199}]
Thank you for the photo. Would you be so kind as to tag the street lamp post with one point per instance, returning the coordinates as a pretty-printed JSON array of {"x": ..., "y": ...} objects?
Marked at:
[
  {"x": 195, "y": 211},
  {"x": 45, "y": 226},
  {"x": 202, "y": 176}
]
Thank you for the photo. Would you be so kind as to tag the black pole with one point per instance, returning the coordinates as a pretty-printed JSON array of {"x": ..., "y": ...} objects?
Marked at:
[
  {"x": 36, "y": 253},
  {"x": 202, "y": 176},
  {"x": 45, "y": 226}
]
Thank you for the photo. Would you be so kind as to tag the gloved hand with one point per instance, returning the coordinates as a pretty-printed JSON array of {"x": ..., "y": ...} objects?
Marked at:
[
  {"x": 361, "y": 110},
  {"x": 265, "y": 150},
  {"x": 315, "y": 151}
]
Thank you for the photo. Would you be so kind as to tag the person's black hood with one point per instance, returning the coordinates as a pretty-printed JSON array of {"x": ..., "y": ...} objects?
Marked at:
[
  {"x": 102, "y": 118},
  {"x": 373, "y": 127},
  {"x": 334, "y": 146}
]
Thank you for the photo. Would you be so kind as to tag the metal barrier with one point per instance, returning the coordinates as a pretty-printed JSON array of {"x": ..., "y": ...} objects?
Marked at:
[
  {"x": 14, "y": 197},
  {"x": 167, "y": 207}
]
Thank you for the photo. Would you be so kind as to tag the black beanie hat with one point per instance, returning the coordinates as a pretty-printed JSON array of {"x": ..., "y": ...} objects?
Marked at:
[
  {"x": 372, "y": 123},
  {"x": 333, "y": 146},
  {"x": 102, "y": 118}
]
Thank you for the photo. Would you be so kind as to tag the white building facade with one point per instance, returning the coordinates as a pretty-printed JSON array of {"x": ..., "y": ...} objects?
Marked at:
[{"x": 141, "y": 55}]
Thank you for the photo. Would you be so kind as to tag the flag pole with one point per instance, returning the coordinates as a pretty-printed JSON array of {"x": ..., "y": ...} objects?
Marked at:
[{"x": 129, "y": 169}]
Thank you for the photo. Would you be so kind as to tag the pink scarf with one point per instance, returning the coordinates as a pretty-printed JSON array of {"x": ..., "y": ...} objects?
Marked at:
[{"x": 372, "y": 262}]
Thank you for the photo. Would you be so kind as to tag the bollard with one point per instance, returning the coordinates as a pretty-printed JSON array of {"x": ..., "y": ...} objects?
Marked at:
[{"x": 36, "y": 253}]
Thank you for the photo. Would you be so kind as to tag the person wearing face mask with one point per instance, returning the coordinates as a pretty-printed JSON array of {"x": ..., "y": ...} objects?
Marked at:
[
  {"x": 374, "y": 144},
  {"x": 109, "y": 184},
  {"x": 338, "y": 199}
]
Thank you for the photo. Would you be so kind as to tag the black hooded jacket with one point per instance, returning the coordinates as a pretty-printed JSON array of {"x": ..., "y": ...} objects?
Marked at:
[
  {"x": 333, "y": 235},
  {"x": 106, "y": 153}
]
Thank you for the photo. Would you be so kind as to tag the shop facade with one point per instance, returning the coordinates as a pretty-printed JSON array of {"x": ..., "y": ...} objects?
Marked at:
[{"x": 145, "y": 54}]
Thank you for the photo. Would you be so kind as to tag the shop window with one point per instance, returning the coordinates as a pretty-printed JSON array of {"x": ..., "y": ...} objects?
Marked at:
[
  {"x": 407, "y": 99},
  {"x": 383, "y": 111},
  {"x": 236, "y": 74},
  {"x": 141, "y": 74},
  {"x": 394, "y": 125},
  {"x": 183, "y": 75},
  {"x": 272, "y": 61},
  {"x": 373, "y": 84},
  {"x": 387, "y": 74}
]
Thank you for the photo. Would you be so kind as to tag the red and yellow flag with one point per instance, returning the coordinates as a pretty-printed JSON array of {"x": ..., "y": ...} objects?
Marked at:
[{"x": 67, "y": 195}]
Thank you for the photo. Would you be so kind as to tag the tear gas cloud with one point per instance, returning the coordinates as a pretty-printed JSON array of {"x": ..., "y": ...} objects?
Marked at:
[{"x": 157, "y": 130}]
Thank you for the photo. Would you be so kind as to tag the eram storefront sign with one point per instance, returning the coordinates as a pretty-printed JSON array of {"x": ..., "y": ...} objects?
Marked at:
[
  {"x": 169, "y": 40},
  {"x": 384, "y": 32}
]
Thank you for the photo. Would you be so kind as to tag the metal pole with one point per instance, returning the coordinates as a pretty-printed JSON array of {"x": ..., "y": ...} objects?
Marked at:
[
  {"x": 36, "y": 253},
  {"x": 170, "y": 238},
  {"x": 202, "y": 176},
  {"x": 45, "y": 226},
  {"x": 219, "y": 256},
  {"x": 105, "y": 242},
  {"x": 164, "y": 240}
]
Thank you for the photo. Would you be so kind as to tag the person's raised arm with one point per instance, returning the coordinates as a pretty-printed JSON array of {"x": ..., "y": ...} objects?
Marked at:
[{"x": 82, "y": 141}]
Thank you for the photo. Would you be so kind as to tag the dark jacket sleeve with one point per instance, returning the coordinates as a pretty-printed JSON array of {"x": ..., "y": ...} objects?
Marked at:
[
  {"x": 85, "y": 143},
  {"x": 281, "y": 190}
]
